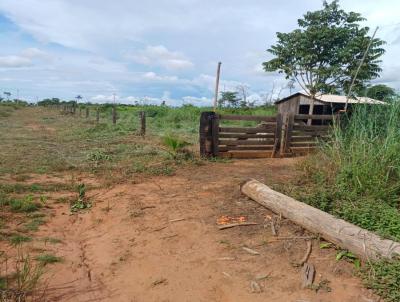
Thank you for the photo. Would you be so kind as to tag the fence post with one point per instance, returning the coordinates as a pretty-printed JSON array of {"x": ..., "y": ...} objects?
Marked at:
[
  {"x": 97, "y": 114},
  {"x": 73, "y": 108},
  {"x": 208, "y": 134},
  {"x": 278, "y": 135},
  {"x": 87, "y": 112},
  {"x": 80, "y": 111},
  {"x": 114, "y": 115},
  {"x": 288, "y": 132},
  {"x": 142, "y": 115}
]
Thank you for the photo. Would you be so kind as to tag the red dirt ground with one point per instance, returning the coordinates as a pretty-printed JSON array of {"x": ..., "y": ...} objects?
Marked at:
[{"x": 159, "y": 241}]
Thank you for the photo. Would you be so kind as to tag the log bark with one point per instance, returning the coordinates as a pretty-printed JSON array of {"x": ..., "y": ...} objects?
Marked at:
[{"x": 360, "y": 242}]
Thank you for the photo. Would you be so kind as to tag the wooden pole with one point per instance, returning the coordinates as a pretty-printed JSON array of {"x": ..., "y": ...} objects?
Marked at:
[
  {"x": 361, "y": 242},
  {"x": 87, "y": 112},
  {"x": 114, "y": 115},
  {"x": 217, "y": 86},
  {"x": 97, "y": 115},
  {"x": 358, "y": 69},
  {"x": 142, "y": 116},
  {"x": 206, "y": 134}
]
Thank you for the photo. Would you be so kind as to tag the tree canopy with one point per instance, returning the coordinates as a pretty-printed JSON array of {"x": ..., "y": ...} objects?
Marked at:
[
  {"x": 324, "y": 53},
  {"x": 380, "y": 92}
]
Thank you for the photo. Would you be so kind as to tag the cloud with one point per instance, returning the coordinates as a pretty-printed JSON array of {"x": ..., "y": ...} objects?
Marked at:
[
  {"x": 24, "y": 59},
  {"x": 15, "y": 61},
  {"x": 161, "y": 56}
]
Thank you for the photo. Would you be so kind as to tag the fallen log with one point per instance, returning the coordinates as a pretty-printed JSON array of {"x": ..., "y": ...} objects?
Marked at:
[{"x": 361, "y": 242}]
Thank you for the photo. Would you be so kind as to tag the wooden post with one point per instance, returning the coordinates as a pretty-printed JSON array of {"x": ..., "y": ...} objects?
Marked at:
[
  {"x": 215, "y": 135},
  {"x": 87, "y": 112},
  {"x": 278, "y": 135},
  {"x": 142, "y": 116},
  {"x": 289, "y": 130},
  {"x": 217, "y": 86},
  {"x": 114, "y": 115},
  {"x": 97, "y": 114},
  {"x": 80, "y": 111},
  {"x": 206, "y": 134},
  {"x": 73, "y": 108}
]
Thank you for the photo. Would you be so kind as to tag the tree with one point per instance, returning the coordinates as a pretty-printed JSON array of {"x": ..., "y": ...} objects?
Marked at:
[
  {"x": 8, "y": 94},
  {"x": 243, "y": 90},
  {"x": 324, "y": 53},
  {"x": 229, "y": 98},
  {"x": 380, "y": 92}
]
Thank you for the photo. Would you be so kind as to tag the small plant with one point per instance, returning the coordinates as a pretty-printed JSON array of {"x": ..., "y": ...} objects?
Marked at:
[
  {"x": 23, "y": 283},
  {"x": 175, "y": 144},
  {"x": 26, "y": 204},
  {"x": 98, "y": 156},
  {"x": 19, "y": 239},
  {"x": 34, "y": 224},
  {"x": 48, "y": 259},
  {"x": 81, "y": 203}
]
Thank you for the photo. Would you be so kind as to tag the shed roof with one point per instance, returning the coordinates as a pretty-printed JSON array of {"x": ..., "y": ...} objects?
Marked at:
[{"x": 333, "y": 98}]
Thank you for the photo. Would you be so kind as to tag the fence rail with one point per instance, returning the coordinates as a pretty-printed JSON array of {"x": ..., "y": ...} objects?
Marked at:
[{"x": 272, "y": 137}]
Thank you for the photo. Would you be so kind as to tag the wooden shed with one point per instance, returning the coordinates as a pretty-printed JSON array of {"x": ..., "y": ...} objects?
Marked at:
[{"x": 299, "y": 103}]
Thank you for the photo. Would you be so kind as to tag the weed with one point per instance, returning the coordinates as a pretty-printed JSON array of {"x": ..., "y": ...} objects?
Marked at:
[
  {"x": 52, "y": 240},
  {"x": 175, "y": 145},
  {"x": 19, "y": 239},
  {"x": 34, "y": 224},
  {"x": 48, "y": 259},
  {"x": 81, "y": 203},
  {"x": 27, "y": 204},
  {"x": 384, "y": 278},
  {"x": 23, "y": 283}
]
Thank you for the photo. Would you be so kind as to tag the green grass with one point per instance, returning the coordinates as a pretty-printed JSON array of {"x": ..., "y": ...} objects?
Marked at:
[
  {"x": 19, "y": 239},
  {"x": 24, "y": 205},
  {"x": 34, "y": 224},
  {"x": 357, "y": 177},
  {"x": 48, "y": 259}
]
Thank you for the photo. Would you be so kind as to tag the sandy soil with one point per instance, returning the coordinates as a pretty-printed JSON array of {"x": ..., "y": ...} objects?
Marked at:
[{"x": 159, "y": 241}]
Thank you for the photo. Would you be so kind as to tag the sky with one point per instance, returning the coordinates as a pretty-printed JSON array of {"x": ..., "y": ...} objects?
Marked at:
[{"x": 160, "y": 50}]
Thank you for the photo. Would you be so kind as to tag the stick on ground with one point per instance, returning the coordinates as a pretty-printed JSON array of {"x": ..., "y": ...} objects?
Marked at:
[{"x": 231, "y": 225}]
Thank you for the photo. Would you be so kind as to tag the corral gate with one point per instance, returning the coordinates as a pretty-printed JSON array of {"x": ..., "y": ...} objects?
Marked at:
[
  {"x": 237, "y": 141},
  {"x": 273, "y": 136}
]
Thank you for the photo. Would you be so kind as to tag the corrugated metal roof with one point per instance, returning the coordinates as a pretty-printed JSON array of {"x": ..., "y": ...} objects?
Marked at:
[{"x": 337, "y": 99}]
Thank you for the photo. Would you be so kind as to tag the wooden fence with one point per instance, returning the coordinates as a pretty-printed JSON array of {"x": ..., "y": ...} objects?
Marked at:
[
  {"x": 299, "y": 137},
  {"x": 271, "y": 137},
  {"x": 259, "y": 141}
]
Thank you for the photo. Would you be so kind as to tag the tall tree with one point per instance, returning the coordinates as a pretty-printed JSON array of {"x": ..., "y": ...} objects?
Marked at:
[
  {"x": 324, "y": 53},
  {"x": 229, "y": 98},
  {"x": 380, "y": 92}
]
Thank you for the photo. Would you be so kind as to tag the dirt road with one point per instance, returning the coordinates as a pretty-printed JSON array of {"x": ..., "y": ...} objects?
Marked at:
[{"x": 158, "y": 241}]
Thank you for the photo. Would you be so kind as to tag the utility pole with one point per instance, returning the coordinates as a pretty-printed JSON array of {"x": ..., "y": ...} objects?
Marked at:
[{"x": 217, "y": 86}]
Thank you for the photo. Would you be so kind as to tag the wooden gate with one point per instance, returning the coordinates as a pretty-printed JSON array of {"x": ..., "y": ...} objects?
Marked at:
[
  {"x": 301, "y": 138},
  {"x": 228, "y": 141}
]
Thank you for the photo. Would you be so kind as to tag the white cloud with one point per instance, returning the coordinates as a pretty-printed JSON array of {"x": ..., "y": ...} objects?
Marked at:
[
  {"x": 24, "y": 59},
  {"x": 15, "y": 61},
  {"x": 161, "y": 56}
]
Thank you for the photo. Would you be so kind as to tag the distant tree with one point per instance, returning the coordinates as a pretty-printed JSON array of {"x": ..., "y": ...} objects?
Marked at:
[
  {"x": 243, "y": 90},
  {"x": 78, "y": 98},
  {"x": 8, "y": 94},
  {"x": 380, "y": 92},
  {"x": 47, "y": 102},
  {"x": 324, "y": 53},
  {"x": 229, "y": 98}
]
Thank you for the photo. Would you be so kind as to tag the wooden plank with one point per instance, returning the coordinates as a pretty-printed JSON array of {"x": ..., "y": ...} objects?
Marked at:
[
  {"x": 245, "y": 148},
  {"x": 303, "y": 144},
  {"x": 246, "y": 142},
  {"x": 313, "y": 117},
  {"x": 246, "y": 154},
  {"x": 289, "y": 131},
  {"x": 309, "y": 133},
  {"x": 278, "y": 134},
  {"x": 248, "y": 130},
  {"x": 308, "y": 138},
  {"x": 238, "y": 117},
  {"x": 311, "y": 128},
  {"x": 238, "y": 135},
  {"x": 215, "y": 134}
]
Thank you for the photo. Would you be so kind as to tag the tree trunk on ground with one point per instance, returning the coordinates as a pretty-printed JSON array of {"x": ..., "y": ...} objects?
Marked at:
[{"x": 361, "y": 242}]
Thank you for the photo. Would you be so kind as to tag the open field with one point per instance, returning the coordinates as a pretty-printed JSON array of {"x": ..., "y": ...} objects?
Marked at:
[{"x": 145, "y": 225}]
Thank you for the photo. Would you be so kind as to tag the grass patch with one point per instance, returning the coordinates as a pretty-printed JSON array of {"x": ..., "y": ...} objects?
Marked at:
[
  {"x": 34, "y": 224},
  {"x": 19, "y": 239},
  {"x": 357, "y": 177},
  {"x": 48, "y": 259},
  {"x": 25, "y": 205}
]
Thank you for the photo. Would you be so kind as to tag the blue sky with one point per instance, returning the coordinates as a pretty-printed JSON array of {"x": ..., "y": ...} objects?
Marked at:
[{"x": 152, "y": 51}]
